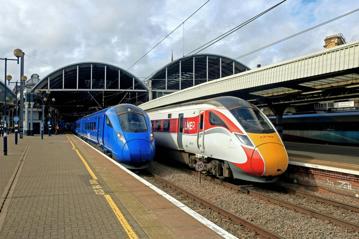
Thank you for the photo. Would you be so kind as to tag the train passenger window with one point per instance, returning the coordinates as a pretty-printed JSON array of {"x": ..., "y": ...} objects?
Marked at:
[
  {"x": 153, "y": 122},
  {"x": 108, "y": 122},
  {"x": 215, "y": 120},
  {"x": 158, "y": 125},
  {"x": 166, "y": 125}
]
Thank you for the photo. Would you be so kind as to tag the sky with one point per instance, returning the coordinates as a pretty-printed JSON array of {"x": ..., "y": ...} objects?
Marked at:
[{"x": 54, "y": 34}]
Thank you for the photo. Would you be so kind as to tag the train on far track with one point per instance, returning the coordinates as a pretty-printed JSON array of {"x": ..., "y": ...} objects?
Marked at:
[
  {"x": 225, "y": 136},
  {"x": 340, "y": 128},
  {"x": 123, "y": 131}
]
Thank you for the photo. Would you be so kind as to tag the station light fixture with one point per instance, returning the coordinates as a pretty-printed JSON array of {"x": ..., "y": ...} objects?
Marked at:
[
  {"x": 8, "y": 77},
  {"x": 18, "y": 53},
  {"x": 311, "y": 92},
  {"x": 352, "y": 86}
]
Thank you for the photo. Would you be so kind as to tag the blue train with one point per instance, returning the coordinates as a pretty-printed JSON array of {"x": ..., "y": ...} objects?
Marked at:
[{"x": 124, "y": 131}]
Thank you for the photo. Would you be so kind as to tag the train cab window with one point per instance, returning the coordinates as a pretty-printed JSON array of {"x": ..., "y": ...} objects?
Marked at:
[
  {"x": 133, "y": 122},
  {"x": 252, "y": 120},
  {"x": 108, "y": 122},
  {"x": 215, "y": 120}
]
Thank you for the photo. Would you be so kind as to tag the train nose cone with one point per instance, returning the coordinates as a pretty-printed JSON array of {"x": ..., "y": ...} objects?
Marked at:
[
  {"x": 140, "y": 151},
  {"x": 275, "y": 158}
]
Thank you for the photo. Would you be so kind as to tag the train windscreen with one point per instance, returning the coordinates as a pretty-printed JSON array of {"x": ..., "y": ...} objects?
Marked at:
[
  {"x": 252, "y": 120},
  {"x": 132, "y": 122}
]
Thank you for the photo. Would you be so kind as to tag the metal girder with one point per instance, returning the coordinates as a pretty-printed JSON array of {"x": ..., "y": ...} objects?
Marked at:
[{"x": 98, "y": 90}]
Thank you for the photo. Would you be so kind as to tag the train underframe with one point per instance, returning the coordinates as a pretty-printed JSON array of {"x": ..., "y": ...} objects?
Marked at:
[{"x": 215, "y": 167}]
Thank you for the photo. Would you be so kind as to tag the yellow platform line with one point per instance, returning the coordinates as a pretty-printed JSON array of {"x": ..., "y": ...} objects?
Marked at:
[
  {"x": 119, "y": 215},
  {"x": 92, "y": 174}
]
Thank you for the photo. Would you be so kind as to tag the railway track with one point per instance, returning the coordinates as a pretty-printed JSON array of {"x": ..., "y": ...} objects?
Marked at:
[
  {"x": 260, "y": 231},
  {"x": 324, "y": 200},
  {"x": 291, "y": 206},
  {"x": 265, "y": 197}
]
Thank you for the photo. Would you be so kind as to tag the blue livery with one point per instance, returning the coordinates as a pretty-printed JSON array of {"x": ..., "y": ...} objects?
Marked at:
[{"x": 124, "y": 131}]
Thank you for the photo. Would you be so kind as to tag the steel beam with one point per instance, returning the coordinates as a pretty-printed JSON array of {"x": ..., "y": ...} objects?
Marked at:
[
  {"x": 63, "y": 78},
  {"x": 105, "y": 78},
  {"x": 77, "y": 77},
  {"x": 194, "y": 70},
  {"x": 91, "y": 76}
]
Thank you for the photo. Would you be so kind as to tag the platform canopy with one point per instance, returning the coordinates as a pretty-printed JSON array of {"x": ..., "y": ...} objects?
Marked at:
[
  {"x": 327, "y": 75},
  {"x": 192, "y": 70},
  {"x": 83, "y": 88}
]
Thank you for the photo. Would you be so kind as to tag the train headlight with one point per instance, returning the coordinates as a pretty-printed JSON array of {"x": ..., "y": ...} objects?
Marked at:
[
  {"x": 244, "y": 139},
  {"x": 121, "y": 138},
  {"x": 152, "y": 137}
]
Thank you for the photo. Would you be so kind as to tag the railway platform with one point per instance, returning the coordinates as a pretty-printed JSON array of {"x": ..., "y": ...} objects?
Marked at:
[
  {"x": 337, "y": 158},
  {"x": 60, "y": 187},
  {"x": 329, "y": 166}
]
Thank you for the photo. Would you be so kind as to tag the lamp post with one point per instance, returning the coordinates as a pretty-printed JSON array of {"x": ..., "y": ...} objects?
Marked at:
[
  {"x": 49, "y": 122},
  {"x": 5, "y": 106},
  {"x": 43, "y": 101},
  {"x": 21, "y": 55},
  {"x": 16, "y": 117}
]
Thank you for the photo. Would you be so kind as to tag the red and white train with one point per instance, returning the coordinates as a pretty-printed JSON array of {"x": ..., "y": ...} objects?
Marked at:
[{"x": 225, "y": 136}]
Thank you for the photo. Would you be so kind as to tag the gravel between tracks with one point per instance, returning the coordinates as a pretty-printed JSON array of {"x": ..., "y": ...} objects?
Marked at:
[
  {"x": 333, "y": 211},
  {"x": 282, "y": 221}
]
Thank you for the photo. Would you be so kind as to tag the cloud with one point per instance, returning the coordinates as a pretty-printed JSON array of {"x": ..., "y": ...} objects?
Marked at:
[{"x": 58, "y": 33}]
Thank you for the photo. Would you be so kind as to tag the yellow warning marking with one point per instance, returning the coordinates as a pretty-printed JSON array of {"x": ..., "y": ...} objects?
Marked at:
[
  {"x": 121, "y": 217},
  {"x": 98, "y": 190},
  {"x": 92, "y": 174},
  {"x": 73, "y": 146},
  {"x": 89, "y": 170}
]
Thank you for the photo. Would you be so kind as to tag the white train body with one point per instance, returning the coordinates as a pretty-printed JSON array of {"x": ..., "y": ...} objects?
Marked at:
[{"x": 225, "y": 136}]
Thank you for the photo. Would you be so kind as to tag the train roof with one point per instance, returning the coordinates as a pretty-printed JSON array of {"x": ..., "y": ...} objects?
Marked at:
[
  {"x": 228, "y": 102},
  {"x": 120, "y": 108},
  {"x": 123, "y": 108}
]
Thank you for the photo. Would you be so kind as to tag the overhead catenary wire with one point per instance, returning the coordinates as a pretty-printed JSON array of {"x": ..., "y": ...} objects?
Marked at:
[
  {"x": 168, "y": 34},
  {"x": 231, "y": 31},
  {"x": 297, "y": 34}
]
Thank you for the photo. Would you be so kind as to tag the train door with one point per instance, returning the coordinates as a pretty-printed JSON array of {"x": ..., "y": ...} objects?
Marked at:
[
  {"x": 201, "y": 132},
  {"x": 108, "y": 134},
  {"x": 180, "y": 131},
  {"x": 98, "y": 129},
  {"x": 103, "y": 129}
]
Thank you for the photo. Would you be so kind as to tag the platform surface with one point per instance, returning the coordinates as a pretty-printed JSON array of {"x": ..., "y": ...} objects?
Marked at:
[
  {"x": 340, "y": 157},
  {"x": 55, "y": 196}
]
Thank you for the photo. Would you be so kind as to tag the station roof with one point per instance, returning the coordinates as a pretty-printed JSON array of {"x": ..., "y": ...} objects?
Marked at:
[
  {"x": 193, "y": 70},
  {"x": 81, "y": 88},
  {"x": 329, "y": 74},
  {"x": 10, "y": 96}
]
